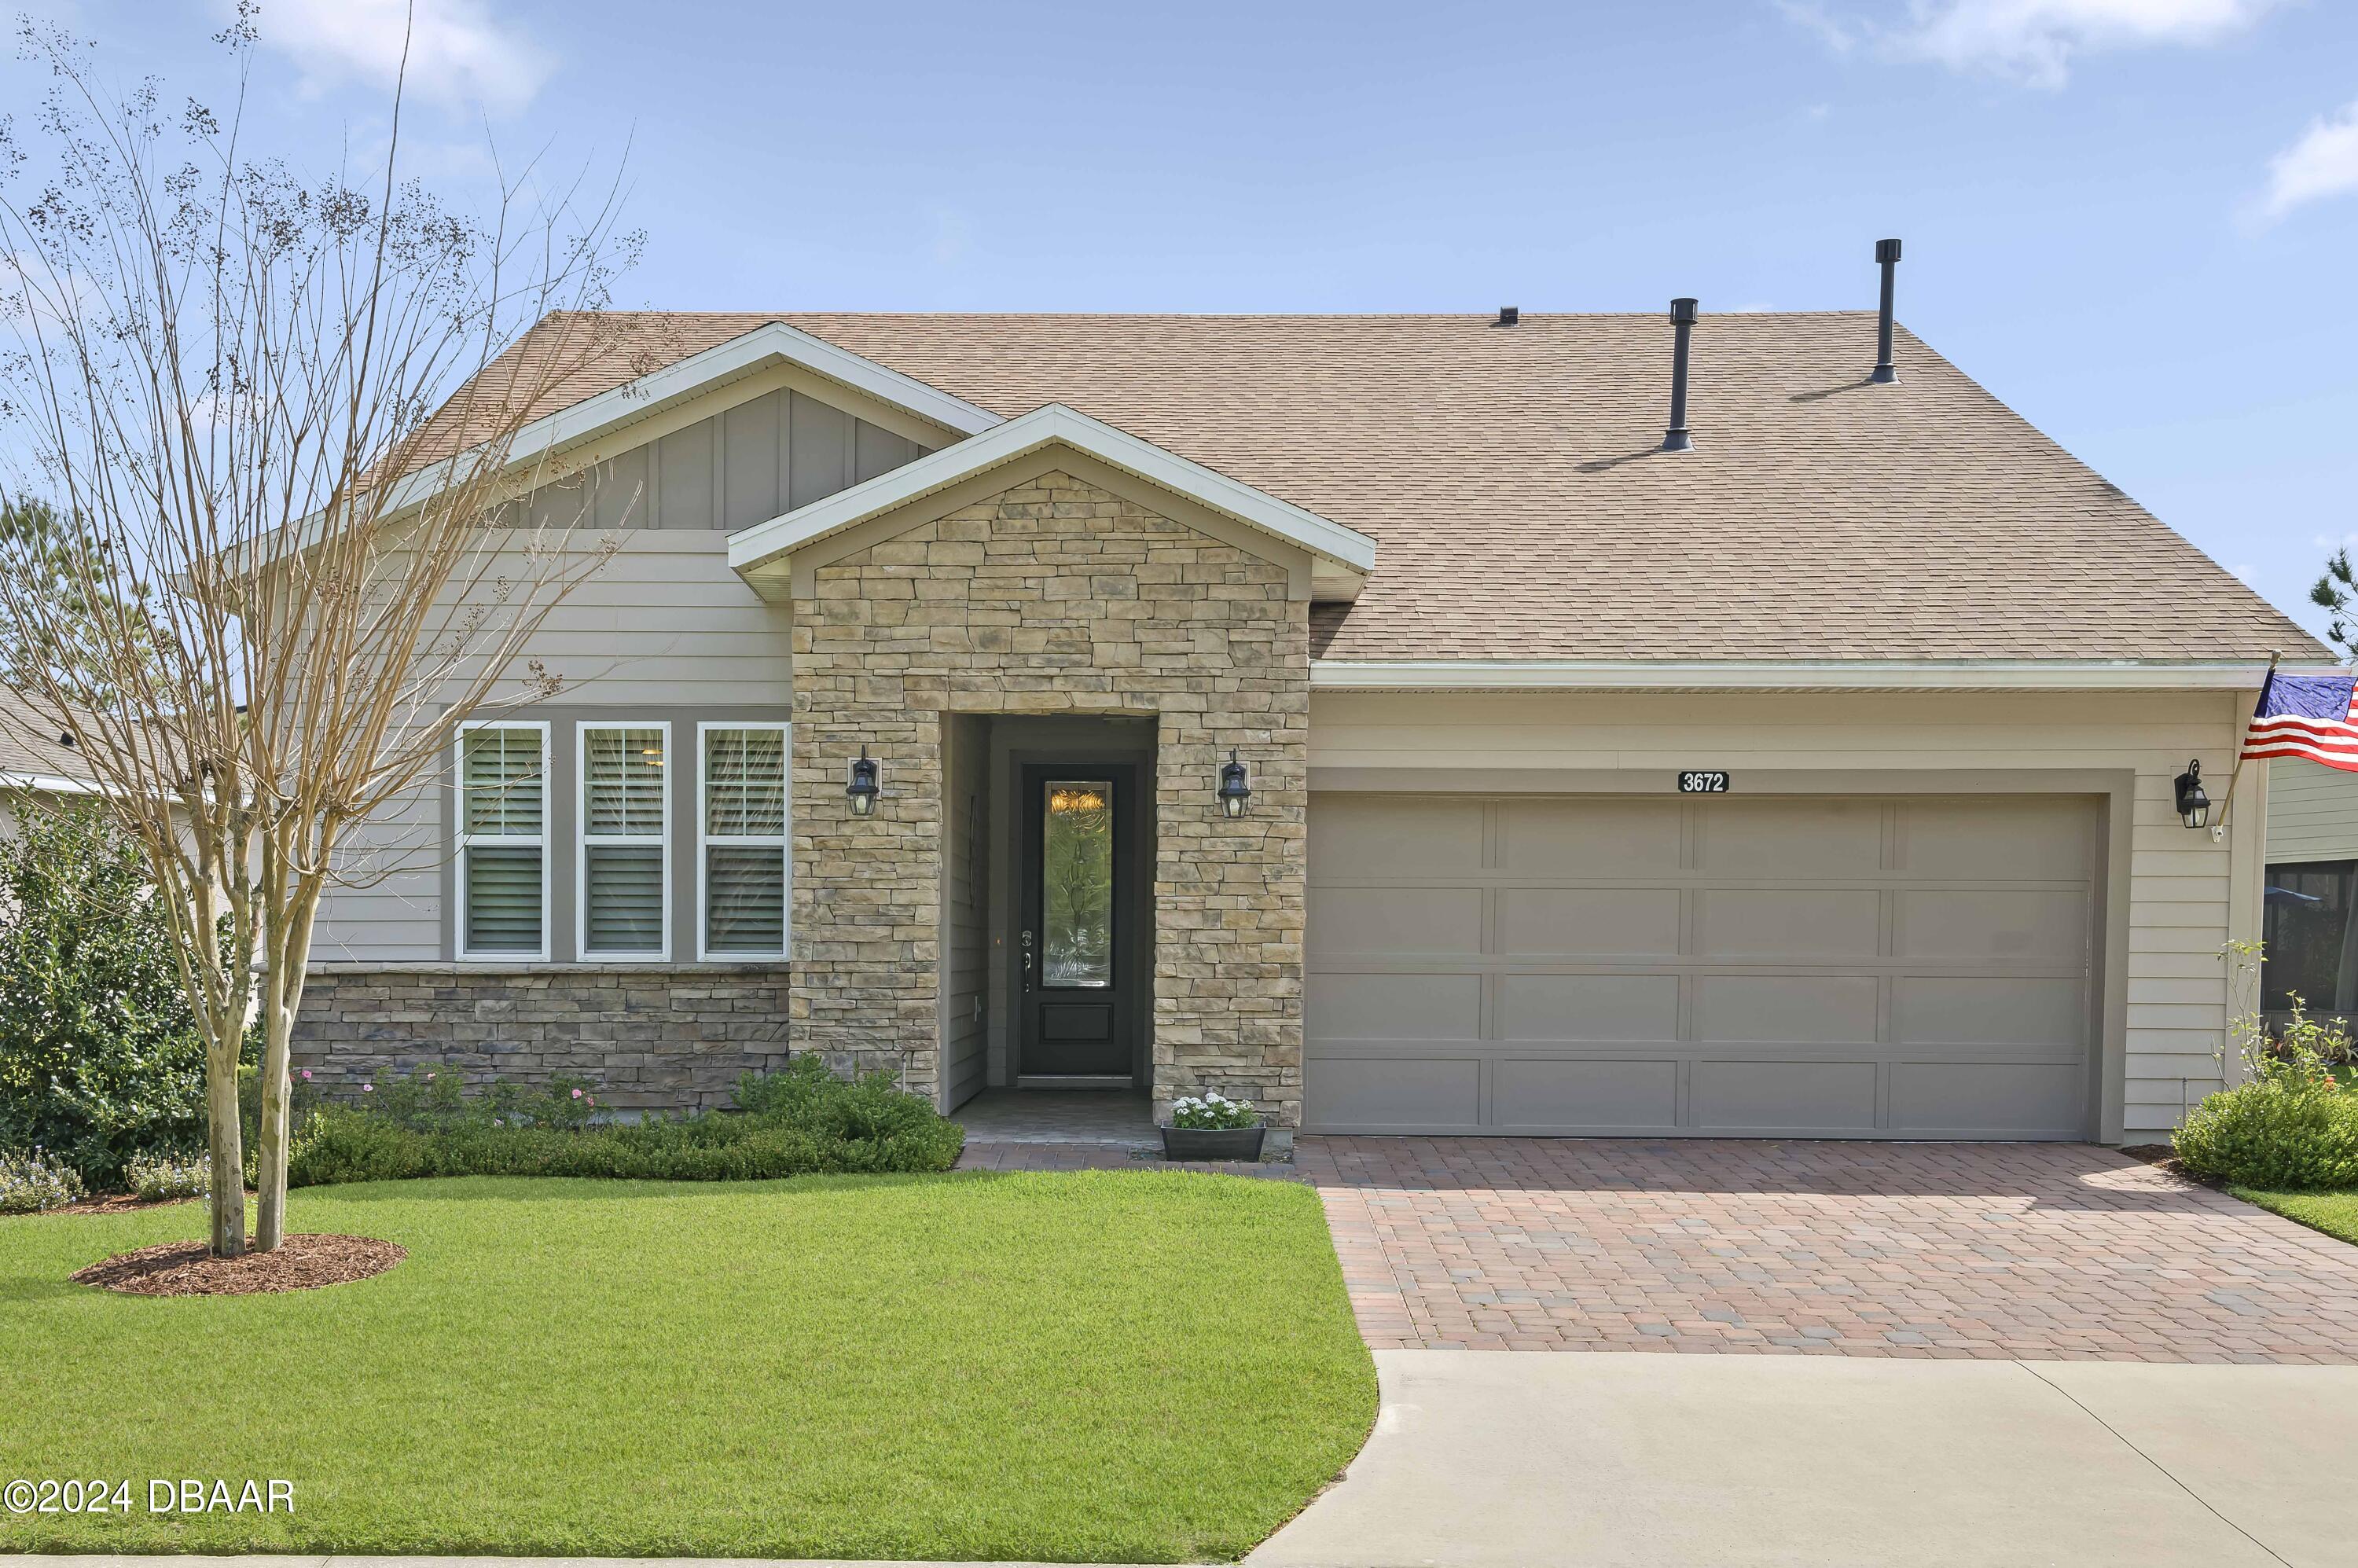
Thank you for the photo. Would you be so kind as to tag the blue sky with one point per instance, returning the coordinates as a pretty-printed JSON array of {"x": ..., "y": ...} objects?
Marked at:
[{"x": 2136, "y": 221}]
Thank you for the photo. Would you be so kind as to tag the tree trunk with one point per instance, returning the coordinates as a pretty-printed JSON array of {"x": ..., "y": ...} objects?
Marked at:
[
  {"x": 282, "y": 996},
  {"x": 226, "y": 1141}
]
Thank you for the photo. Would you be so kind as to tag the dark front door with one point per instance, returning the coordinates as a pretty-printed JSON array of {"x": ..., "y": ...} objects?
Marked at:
[{"x": 1076, "y": 955}]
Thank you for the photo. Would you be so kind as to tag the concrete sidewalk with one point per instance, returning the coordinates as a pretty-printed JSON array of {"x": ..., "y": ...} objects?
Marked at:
[{"x": 1522, "y": 1460}]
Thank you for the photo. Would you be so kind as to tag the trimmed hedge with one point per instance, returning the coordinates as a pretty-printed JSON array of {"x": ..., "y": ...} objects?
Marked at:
[
  {"x": 2282, "y": 1132},
  {"x": 802, "y": 1122},
  {"x": 2293, "y": 1124}
]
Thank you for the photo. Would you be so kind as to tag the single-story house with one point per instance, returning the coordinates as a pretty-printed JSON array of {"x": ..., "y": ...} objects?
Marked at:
[{"x": 1406, "y": 722}]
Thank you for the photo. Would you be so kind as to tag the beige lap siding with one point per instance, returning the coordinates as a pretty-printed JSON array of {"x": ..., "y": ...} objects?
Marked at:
[
  {"x": 1054, "y": 597},
  {"x": 2168, "y": 1001},
  {"x": 662, "y": 626}
]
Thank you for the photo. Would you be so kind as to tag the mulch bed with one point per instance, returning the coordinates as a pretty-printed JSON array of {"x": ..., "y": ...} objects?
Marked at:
[
  {"x": 303, "y": 1263},
  {"x": 114, "y": 1203}
]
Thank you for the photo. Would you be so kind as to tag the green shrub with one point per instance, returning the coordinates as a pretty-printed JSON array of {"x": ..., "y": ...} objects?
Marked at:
[
  {"x": 32, "y": 1181},
  {"x": 799, "y": 1122},
  {"x": 2292, "y": 1124},
  {"x": 100, "y": 1056},
  {"x": 157, "y": 1177}
]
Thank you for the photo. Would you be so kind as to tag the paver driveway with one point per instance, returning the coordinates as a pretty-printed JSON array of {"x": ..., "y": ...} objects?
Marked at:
[{"x": 2032, "y": 1250}]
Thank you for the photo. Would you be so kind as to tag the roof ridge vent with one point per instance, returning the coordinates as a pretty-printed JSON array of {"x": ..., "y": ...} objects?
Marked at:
[
  {"x": 1678, "y": 438},
  {"x": 1887, "y": 256}
]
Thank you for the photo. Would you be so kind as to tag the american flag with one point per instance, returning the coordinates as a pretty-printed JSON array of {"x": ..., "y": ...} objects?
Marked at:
[{"x": 2306, "y": 716}]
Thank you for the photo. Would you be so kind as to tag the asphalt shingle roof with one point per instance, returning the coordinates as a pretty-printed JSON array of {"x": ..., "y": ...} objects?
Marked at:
[{"x": 1512, "y": 478}]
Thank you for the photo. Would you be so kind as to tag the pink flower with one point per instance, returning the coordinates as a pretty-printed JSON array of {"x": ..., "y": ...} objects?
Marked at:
[
  {"x": 306, "y": 1075},
  {"x": 577, "y": 1094},
  {"x": 368, "y": 1088},
  {"x": 591, "y": 1100},
  {"x": 430, "y": 1077}
]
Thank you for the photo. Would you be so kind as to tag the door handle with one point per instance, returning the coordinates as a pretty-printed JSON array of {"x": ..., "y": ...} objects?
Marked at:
[{"x": 1027, "y": 963}]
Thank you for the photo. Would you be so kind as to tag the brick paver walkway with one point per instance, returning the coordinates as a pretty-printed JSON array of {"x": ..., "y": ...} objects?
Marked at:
[{"x": 2038, "y": 1251}]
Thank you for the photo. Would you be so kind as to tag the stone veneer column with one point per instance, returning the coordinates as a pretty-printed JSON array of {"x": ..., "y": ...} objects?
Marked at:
[{"x": 1056, "y": 597}]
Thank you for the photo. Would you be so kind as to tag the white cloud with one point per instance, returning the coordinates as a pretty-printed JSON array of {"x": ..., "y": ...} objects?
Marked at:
[
  {"x": 2323, "y": 163},
  {"x": 460, "y": 56},
  {"x": 2032, "y": 41}
]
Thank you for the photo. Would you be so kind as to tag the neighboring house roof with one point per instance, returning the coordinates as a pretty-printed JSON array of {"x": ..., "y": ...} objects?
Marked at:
[
  {"x": 1512, "y": 478},
  {"x": 32, "y": 756}
]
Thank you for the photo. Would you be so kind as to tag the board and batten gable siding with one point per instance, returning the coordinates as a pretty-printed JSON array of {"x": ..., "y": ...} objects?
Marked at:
[
  {"x": 2188, "y": 895},
  {"x": 663, "y": 626},
  {"x": 741, "y": 465},
  {"x": 2313, "y": 812}
]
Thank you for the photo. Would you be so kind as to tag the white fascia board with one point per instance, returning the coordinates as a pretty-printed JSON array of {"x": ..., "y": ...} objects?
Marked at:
[
  {"x": 1051, "y": 424},
  {"x": 1764, "y": 675},
  {"x": 50, "y": 783}
]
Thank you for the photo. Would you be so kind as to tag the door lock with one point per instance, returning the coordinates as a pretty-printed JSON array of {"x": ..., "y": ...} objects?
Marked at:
[{"x": 1027, "y": 963}]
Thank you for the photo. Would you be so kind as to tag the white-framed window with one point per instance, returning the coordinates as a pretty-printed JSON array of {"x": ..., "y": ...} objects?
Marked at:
[
  {"x": 622, "y": 864},
  {"x": 740, "y": 831},
  {"x": 502, "y": 778}
]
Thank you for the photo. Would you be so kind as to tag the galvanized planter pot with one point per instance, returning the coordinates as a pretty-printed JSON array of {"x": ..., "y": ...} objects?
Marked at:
[{"x": 1212, "y": 1143}]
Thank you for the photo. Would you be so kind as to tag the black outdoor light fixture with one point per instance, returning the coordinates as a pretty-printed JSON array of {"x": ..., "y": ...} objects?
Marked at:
[
  {"x": 2193, "y": 805},
  {"x": 1234, "y": 791},
  {"x": 861, "y": 791}
]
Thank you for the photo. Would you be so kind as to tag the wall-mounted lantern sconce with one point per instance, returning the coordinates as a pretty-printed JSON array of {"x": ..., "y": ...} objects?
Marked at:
[
  {"x": 2193, "y": 805},
  {"x": 861, "y": 791},
  {"x": 1234, "y": 790}
]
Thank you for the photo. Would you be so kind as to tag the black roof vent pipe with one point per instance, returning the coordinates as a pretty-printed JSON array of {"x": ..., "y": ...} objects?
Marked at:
[
  {"x": 1887, "y": 255},
  {"x": 1509, "y": 314},
  {"x": 1683, "y": 319}
]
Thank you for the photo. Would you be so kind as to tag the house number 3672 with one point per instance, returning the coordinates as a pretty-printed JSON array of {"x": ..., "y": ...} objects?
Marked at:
[{"x": 1703, "y": 782}]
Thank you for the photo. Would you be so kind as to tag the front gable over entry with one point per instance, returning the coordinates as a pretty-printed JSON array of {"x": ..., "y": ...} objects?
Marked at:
[
  {"x": 1047, "y": 597},
  {"x": 1326, "y": 561}
]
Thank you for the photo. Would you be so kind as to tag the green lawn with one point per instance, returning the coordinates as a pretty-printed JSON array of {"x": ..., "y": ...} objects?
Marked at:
[
  {"x": 1129, "y": 1365},
  {"x": 2336, "y": 1214}
]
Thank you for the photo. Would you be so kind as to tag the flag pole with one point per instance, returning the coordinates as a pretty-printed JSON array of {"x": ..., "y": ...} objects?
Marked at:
[{"x": 2237, "y": 771}]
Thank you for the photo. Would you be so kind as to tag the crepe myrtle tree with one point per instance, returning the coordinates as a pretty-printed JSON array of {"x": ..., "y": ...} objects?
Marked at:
[{"x": 261, "y": 433}]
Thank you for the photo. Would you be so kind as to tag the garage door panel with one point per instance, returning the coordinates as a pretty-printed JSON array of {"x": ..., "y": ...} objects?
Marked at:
[
  {"x": 1819, "y": 1010},
  {"x": 1789, "y": 922},
  {"x": 1784, "y": 1097},
  {"x": 2015, "y": 840},
  {"x": 1575, "y": 923},
  {"x": 1988, "y": 1100},
  {"x": 1412, "y": 836},
  {"x": 1588, "y": 1007},
  {"x": 1393, "y": 1007},
  {"x": 2045, "y": 925},
  {"x": 1389, "y": 1092},
  {"x": 1546, "y": 836},
  {"x": 1376, "y": 922},
  {"x": 1790, "y": 837},
  {"x": 1937, "y": 1010},
  {"x": 1591, "y": 1095}
]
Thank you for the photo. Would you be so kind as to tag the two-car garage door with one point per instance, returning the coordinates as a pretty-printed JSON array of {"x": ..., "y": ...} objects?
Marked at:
[{"x": 1911, "y": 966}]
